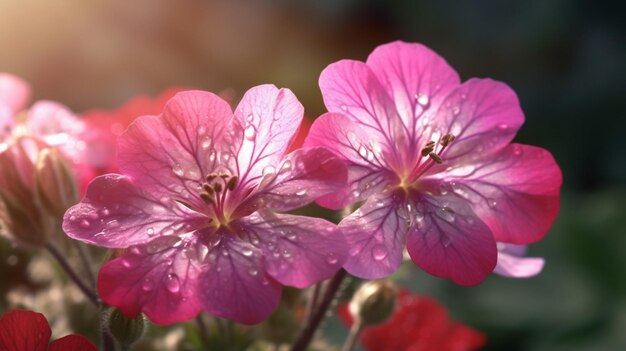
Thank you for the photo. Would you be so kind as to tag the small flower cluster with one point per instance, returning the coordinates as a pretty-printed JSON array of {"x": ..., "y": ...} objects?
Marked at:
[{"x": 193, "y": 197}]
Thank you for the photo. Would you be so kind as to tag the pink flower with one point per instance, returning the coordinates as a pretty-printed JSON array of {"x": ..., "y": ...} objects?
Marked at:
[
  {"x": 22, "y": 330},
  {"x": 432, "y": 159},
  {"x": 194, "y": 207},
  {"x": 48, "y": 121}
]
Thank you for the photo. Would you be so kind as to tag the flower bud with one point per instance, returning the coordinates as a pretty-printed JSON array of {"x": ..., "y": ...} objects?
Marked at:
[
  {"x": 54, "y": 183},
  {"x": 20, "y": 213},
  {"x": 126, "y": 331},
  {"x": 373, "y": 303}
]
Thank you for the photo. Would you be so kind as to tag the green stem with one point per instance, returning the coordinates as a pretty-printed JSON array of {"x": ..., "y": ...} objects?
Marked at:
[
  {"x": 353, "y": 336},
  {"x": 89, "y": 293},
  {"x": 308, "y": 332}
]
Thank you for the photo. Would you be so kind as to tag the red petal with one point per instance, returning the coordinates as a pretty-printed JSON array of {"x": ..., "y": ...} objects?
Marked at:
[
  {"x": 73, "y": 342},
  {"x": 22, "y": 330}
]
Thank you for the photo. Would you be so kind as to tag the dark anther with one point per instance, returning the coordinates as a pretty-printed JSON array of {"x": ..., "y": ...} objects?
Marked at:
[
  {"x": 435, "y": 157},
  {"x": 447, "y": 139},
  {"x": 232, "y": 183},
  {"x": 206, "y": 197},
  {"x": 217, "y": 187}
]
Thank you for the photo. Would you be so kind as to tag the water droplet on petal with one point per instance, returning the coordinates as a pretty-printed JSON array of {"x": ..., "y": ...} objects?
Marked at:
[
  {"x": 206, "y": 142},
  {"x": 113, "y": 224},
  {"x": 212, "y": 156},
  {"x": 331, "y": 258},
  {"x": 286, "y": 254},
  {"x": 446, "y": 214},
  {"x": 492, "y": 203},
  {"x": 253, "y": 271},
  {"x": 172, "y": 283},
  {"x": 150, "y": 231},
  {"x": 147, "y": 285},
  {"x": 301, "y": 192},
  {"x": 85, "y": 223},
  {"x": 292, "y": 236},
  {"x": 517, "y": 150},
  {"x": 423, "y": 99},
  {"x": 379, "y": 252},
  {"x": 344, "y": 108},
  {"x": 250, "y": 132},
  {"x": 456, "y": 110},
  {"x": 354, "y": 251},
  {"x": 269, "y": 170},
  {"x": 178, "y": 170},
  {"x": 104, "y": 212},
  {"x": 128, "y": 263},
  {"x": 503, "y": 126},
  {"x": 250, "y": 117},
  {"x": 246, "y": 251}
]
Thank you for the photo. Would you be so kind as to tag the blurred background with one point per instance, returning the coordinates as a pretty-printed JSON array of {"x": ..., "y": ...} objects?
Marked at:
[{"x": 564, "y": 58}]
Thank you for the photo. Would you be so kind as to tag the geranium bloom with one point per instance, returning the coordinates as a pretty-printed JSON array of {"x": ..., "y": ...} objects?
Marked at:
[
  {"x": 22, "y": 330},
  {"x": 431, "y": 157},
  {"x": 194, "y": 208},
  {"x": 418, "y": 324}
]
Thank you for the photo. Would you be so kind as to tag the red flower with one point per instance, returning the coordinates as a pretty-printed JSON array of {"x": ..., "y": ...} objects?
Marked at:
[
  {"x": 419, "y": 324},
  {"x": 22, "y": 330}
]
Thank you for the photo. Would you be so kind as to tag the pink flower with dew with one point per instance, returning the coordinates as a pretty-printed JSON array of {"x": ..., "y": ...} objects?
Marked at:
[
  {"x": 432, "y": 160},
  {"x": 195, "y": 209}
]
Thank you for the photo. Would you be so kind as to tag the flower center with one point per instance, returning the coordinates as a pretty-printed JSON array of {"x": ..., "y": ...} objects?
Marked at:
[
  {"x": 430, "y": 155},
  {"x": 214, "y": 194}
]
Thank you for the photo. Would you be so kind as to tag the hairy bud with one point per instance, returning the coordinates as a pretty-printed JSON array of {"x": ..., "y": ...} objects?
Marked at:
[{"x": 373, "y": 303}]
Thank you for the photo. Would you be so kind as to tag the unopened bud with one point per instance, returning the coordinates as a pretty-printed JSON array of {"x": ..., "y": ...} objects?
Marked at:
[
  {"x": 126, "y": 331},
  {"x": 373, "y": 303},
  {"x": 20, "y": 213},
  {"x": 55, "y": 183}
]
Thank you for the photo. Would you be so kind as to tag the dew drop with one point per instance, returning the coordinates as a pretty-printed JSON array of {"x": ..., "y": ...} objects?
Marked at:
[
  {"x": 423, "y": 99},
  {"x": 250, "y": 117},
  {"x": 344, "y": 108},
  {"x": 113, "y": 224},
  {"x": 446, "y": 214},
  {"x": 250, "y": 132},
  {"x": 503, "y": 126},
  {"x": 492, "y": 203},
  {"x": 206, "y": 142},
  {"x": 292, "y": 236},
  {"x": 253, "y": 271},
  {"x": 225, "y": 156},
  {"x": 73, "y": 218},
  {"x": 104, "y": 212},
  {"x": 301, "y": 192},
  {"x": 246, "y": 252},
  {"x": 225, "y": 253},
  {"x": 354, "y": 251},
  {"x": 517, "y": 150},
  {"x": 178, "y": 170},
  {"x": 269, "y": 170},
  {"x": 286, "y": 166},
  {"x": 127, "y": 263},
  {"x": 212, "y": 156},
  {"x": 456, "y": 110},
  {"x": 202, "y": 251},
  {"x": 286, "y": 254},
  {"x": 150, "y": 231},
  {"x": 446, "y": 241},
  {"x": 85, "y": 223},
  {"x": 379, "y": 252},
  {"x": 172, "y": 283},
  {"x": 331, "y": 258},
  {"x": 147, "y": 285}
]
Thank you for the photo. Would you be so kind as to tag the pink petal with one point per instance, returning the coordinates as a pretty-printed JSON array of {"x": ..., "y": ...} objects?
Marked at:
[
  {"x": 53, "y": 122},
  {"x": 416, "y": 78},
  {"x": 448, "y": 240},
  {"x": 351, "y": 88},
  {"x": 22, "y": 330},
  {"x": 303, "y": 176},
  {"x": 158, "y": 279},
  {"x": 376, "y": 234},
  {"x": 72, "y": 343},
  {"x": 14, "y": 92},
  {"x": 515, "y": 192},
  {"x": 233, "y": 285},
  {"x": 270, "y": 118},
  {"x": 117, "y": 213},
  {"x": 484, "y": 116},
  {"x": 512, "y": 265},
  {"x": 363, "y": 153},
  {"x": 172, "y": 154},
  {"x": 298, "y": 251}
]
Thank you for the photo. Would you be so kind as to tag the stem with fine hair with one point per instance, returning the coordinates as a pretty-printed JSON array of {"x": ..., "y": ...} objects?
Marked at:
[
  {"x": 203, "y": 330},
  {"x": 312, "y": 302},
  {"x": 355, "y": 331},
  {"x": 307, "y": 333},
  {"x": 86, "y": 260},
  {"x": 71, "y": 273}
]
